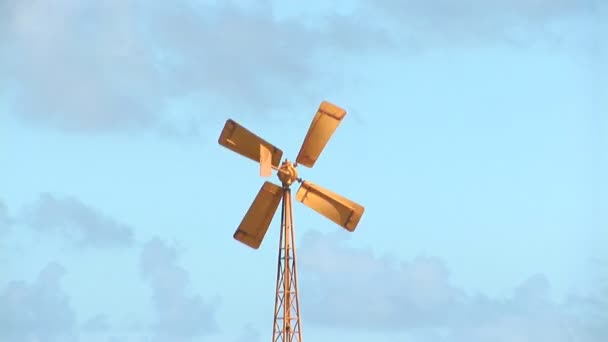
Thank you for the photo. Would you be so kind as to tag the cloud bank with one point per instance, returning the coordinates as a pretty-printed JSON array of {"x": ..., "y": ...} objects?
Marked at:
[
  {"x": 348, "y": 288},
  {"x": 133, "y": 65},
  {"x": 476, "y": 22},
  {"x": 180, "y": 316},
  {"x": 118, "y": 65},
  {"x": 249, "y": 334},
  {"x": 82, "y": 225},
  {"x": 344, "y": 289},
  {"x": 40, "y": 311},
  {"x": 5, "y": 220}
]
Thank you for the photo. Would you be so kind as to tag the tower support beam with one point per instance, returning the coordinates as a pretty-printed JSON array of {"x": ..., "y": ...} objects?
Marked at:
[{"x": 287, "y": 325}]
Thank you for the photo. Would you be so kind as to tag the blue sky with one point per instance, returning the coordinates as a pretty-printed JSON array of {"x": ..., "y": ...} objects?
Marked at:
[{"x": 476, "y": 138}]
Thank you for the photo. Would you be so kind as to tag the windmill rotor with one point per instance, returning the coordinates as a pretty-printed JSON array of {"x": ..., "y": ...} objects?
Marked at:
[{"x": 254, "y": 225}]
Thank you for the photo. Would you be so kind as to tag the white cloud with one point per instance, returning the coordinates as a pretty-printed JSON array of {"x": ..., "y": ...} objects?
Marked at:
[
  {"x": 349, "y": 288},
  {"x": 470, "y": 22},
  {"x": 180, "y": 316},
  {"x": 122, "y": 65},
  {"x": 81, "y": 224},
  {"x": 5, "y": 219},
  {"x": 40, "y": 311},
  {"x": 97, "y": 323},
  {"x": 114, "y": 65},
  {"x": 249, "y": 334}
]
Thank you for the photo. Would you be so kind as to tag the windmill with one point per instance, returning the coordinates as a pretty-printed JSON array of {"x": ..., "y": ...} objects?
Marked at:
[{"x": 253, "y": 227}]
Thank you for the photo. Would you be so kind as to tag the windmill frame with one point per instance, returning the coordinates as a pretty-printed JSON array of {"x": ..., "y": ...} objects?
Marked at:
[{"x": 254, "y": 225}]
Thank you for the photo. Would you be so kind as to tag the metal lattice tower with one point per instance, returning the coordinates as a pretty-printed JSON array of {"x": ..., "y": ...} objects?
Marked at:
[
  {"x": 252, "y": 229},
  {"x": 287, "y": 325}
]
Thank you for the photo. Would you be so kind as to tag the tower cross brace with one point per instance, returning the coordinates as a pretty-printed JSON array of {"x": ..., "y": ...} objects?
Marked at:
[{"x": 287, "y": 324}]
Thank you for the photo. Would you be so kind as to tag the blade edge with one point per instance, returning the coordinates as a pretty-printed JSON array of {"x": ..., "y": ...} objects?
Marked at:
[{"x": 252, "y": 229}]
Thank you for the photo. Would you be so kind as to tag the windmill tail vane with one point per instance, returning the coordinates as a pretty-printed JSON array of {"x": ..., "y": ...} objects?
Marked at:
[{"x": 255, "y": 223}]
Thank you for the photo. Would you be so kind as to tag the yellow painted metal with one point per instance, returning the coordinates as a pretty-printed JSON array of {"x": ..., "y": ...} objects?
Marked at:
[
  {"x": 253, "y": 227},
  {"x": 339, "y": 209},
  {"x": 287, "y": 173},
  {"x": 255, "y": 224},
  {"x": 242, "y": 141},
  {"x": 287, "y": 323},
  {"x": 265, "y": 161},
  {"x": 323, "y": 125}
]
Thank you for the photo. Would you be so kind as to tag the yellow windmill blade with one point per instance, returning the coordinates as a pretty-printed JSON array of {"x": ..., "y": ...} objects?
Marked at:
[
  {"x": 341, "y": 210},
  {"x": 254, "y": 225},
  {"x": 242, "y": 141},
  {"x": 323, "y": 125}
]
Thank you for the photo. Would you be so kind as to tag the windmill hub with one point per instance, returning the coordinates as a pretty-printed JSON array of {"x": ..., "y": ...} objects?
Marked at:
[{"x": 288, "y": 173}]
